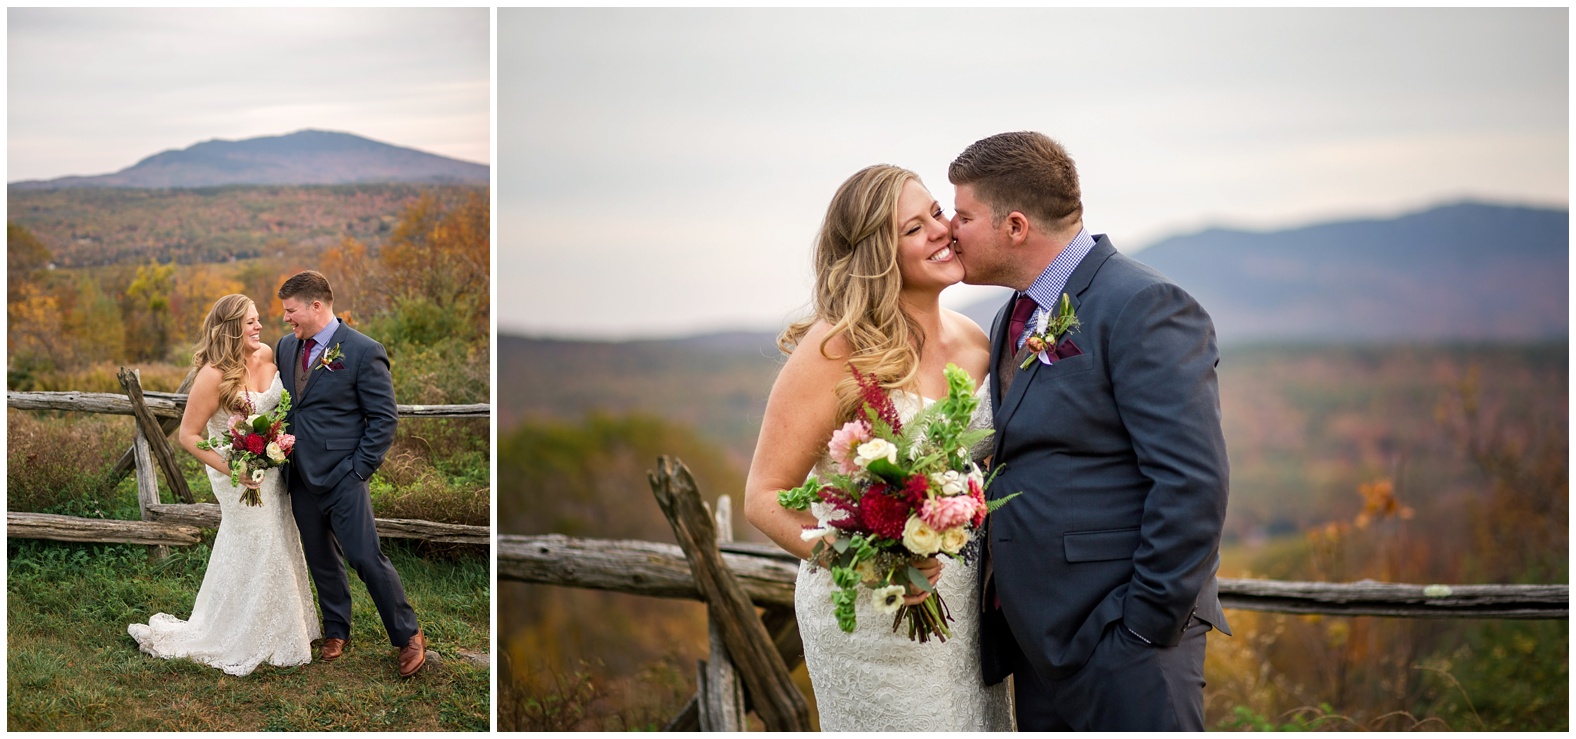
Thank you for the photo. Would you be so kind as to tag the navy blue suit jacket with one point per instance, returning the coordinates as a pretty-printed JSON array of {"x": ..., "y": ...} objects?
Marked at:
[
  {"x": 1120, "y": 457},
  {"x": 344, "y": 418}
]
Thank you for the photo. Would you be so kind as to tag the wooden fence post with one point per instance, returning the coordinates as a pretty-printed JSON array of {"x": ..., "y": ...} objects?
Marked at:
[
  {"x": 776, "y": 700},
  {"x": 147, "y": 489},
  {"x": 151, "y": 431},
  {"x": 720, "y": 692},
  {"x": 127, "y": 460}
]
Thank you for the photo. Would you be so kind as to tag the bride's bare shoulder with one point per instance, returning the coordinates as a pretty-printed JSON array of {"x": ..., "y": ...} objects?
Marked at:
[
  {"x": 207, "y": 374},
  {"x": 965, "y": 328},
  {"x": 819, "y": 357}
]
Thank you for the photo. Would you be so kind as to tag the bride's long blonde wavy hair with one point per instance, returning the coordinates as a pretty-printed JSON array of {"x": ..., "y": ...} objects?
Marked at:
[
  {"x": 223, "y": 345},
  {"x": 857, "y": 284}
]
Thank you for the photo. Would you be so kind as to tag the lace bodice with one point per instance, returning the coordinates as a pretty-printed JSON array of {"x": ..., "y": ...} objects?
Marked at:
[
  {"x": 877, "y": 680},
  {"x": 262, "y": 402}
]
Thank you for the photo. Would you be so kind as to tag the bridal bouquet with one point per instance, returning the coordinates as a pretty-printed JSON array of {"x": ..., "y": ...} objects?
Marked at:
[
  {"x": 256, "y": 442},
  {"x": 902, "y": 492}
]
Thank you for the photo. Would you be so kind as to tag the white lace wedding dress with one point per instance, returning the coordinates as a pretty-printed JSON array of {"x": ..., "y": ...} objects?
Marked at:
[
  {"x": 878, "y": 680},
  {"x": 255, "y": 604}
]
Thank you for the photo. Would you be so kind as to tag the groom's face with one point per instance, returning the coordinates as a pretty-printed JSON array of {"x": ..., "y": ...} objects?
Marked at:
[
  {"x": 305, "y": 318},
  {"x": 981, "y": 247}
]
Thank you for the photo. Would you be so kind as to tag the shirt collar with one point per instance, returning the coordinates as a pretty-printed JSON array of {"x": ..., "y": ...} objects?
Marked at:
[
  {"x": 1047, "y": 288},
  {"x": 327, "y": 334}
]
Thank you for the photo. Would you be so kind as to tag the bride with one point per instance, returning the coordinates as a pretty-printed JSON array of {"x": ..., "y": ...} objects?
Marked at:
[
  {"x": 882, "y": 258},
  {"x": 255, "y": 604}
]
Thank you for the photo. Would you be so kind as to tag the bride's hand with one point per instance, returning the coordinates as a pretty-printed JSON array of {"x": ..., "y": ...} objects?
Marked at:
[{"x": 931, "y": 567}]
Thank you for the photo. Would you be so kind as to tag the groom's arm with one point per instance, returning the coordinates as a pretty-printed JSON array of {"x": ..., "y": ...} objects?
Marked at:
[
  {"x": 375, "y": 395},
  {"x": 1163, "y": 358}
]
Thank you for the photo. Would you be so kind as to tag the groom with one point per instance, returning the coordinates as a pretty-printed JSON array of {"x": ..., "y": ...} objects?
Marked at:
[
  {"x": 342, "y": 413},
  {"x": 1099, "y": 582}
]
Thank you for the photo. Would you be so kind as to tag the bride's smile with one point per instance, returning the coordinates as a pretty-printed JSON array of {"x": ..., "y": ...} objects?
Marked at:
[
  {"x": 252, "y": 331},
  {"x": 926, "y": 259}
]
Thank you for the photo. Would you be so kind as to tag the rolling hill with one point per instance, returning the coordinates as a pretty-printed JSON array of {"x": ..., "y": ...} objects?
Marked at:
[
  {"x": 1462, "y": 272},
  {"x": 307, "y": 157}
]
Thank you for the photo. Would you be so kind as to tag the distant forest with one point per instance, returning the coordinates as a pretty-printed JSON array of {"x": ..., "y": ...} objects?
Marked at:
[
  {"x": 89, "y": 227},
  {"x": 409, "y": 266}
]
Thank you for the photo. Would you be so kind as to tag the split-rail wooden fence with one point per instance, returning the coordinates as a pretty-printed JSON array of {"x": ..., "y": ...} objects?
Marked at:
[
  {"x": 748, "y": 592},
  {"x": 179, "y": 524}
]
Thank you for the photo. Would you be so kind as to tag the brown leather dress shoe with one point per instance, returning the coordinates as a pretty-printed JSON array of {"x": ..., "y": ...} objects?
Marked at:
[
  {"x": 413, "y": 655},
  {"x": 332, "y": 648}
]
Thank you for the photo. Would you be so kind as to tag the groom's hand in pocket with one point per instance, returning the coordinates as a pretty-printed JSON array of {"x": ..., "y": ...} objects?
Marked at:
[{"x": 931, "y": 567}]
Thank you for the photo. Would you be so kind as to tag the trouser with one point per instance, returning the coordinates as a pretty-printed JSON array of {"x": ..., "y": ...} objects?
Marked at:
[
  {"x": 1127, "y": 685},
  {"x": 338, "y": 525}
]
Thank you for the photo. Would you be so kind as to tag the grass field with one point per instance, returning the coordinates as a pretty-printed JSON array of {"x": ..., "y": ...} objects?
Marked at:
[{"x": 72, "y": 666}]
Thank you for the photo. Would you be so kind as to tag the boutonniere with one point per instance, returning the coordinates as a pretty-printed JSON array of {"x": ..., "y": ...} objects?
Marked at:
[
  {"x": 330, "y": 359},
  {"x": 1050, "y": 332}
]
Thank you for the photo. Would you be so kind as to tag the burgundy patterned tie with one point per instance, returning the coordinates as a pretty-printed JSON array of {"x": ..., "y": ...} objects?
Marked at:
[
  {"x": 1021, "y": 311},
  {"x": 1006, "y": 365},
  {"x": 306, "y": 363}
]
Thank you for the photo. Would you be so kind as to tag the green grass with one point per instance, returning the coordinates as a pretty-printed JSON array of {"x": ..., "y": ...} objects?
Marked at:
[{"x": 72, "y": 666}]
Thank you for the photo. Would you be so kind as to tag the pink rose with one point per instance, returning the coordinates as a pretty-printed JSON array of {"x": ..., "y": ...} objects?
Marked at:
[
  {"x": 844, "y": 443},
  {"x": 286, "y": 442},
  {"x": 977, "y": 494},
  {"x": 947, "y": 513}
]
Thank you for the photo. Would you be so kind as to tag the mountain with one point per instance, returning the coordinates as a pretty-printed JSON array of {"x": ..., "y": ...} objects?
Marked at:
[
  {"x": 306, "y": 157},
  {"x": 1463, "y": 272}
]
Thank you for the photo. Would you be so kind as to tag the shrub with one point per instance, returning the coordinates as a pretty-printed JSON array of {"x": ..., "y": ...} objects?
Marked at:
[{"x": 57, "y": 464}]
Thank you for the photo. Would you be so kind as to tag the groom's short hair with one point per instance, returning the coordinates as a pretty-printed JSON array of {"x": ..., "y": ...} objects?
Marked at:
[
  {"x": 307, "y": 286},
  {"x": 1023, "y": 171}
]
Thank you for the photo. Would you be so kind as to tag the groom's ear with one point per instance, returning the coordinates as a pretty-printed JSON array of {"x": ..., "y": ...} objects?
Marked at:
[{"x": 1017, "y": 227}]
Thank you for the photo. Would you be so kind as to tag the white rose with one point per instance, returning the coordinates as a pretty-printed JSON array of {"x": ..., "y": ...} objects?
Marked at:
[
  {"x": 875, "y": 449},
  {"x": 954, "y": 539},
  {"x": 976, "y": 475},
  {"x": 275, "y": 454},
  {"x": 888, "y": 599},
  {"x": 950, "y": 482},
  {"x": 920, "y": 538}
]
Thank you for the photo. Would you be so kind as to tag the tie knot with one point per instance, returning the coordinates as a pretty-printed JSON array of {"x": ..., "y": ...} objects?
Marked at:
[
  {"x": 1023, "y": 309},
  {"x": 306, "y": 354}
]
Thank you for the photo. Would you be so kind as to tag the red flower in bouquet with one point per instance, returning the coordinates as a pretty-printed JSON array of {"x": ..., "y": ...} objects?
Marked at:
[
  {"x": 256, "y": 444},
  {"x": 877, "y": 401},
  {"x": 883, "y": 513}
]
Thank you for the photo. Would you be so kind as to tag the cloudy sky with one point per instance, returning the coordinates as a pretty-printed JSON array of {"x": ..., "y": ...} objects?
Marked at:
[
  {"x": 94, "y": 90},
  {"x": 663, "y": 172}
]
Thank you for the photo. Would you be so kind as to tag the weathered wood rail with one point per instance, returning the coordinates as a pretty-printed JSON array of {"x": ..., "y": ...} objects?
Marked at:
[
  {"x": 171, "y": 405},
  {"x": 734, "y": 580},
  {"x": 767, "y": 574},
  {"x": 179, "y": 524}
]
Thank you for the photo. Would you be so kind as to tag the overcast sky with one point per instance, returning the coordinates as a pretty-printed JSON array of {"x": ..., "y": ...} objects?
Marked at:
[
  {"x": 93, "y": 90},
  {"x": 663, "y": 172}
]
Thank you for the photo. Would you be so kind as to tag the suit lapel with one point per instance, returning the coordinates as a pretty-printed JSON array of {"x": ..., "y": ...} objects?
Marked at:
[
  {"x": 998, "y": 339},
  {"x": 285, "y": 358},
  {"x": 339, "y": 337},
  {"x": 1077, "y": 283}
]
